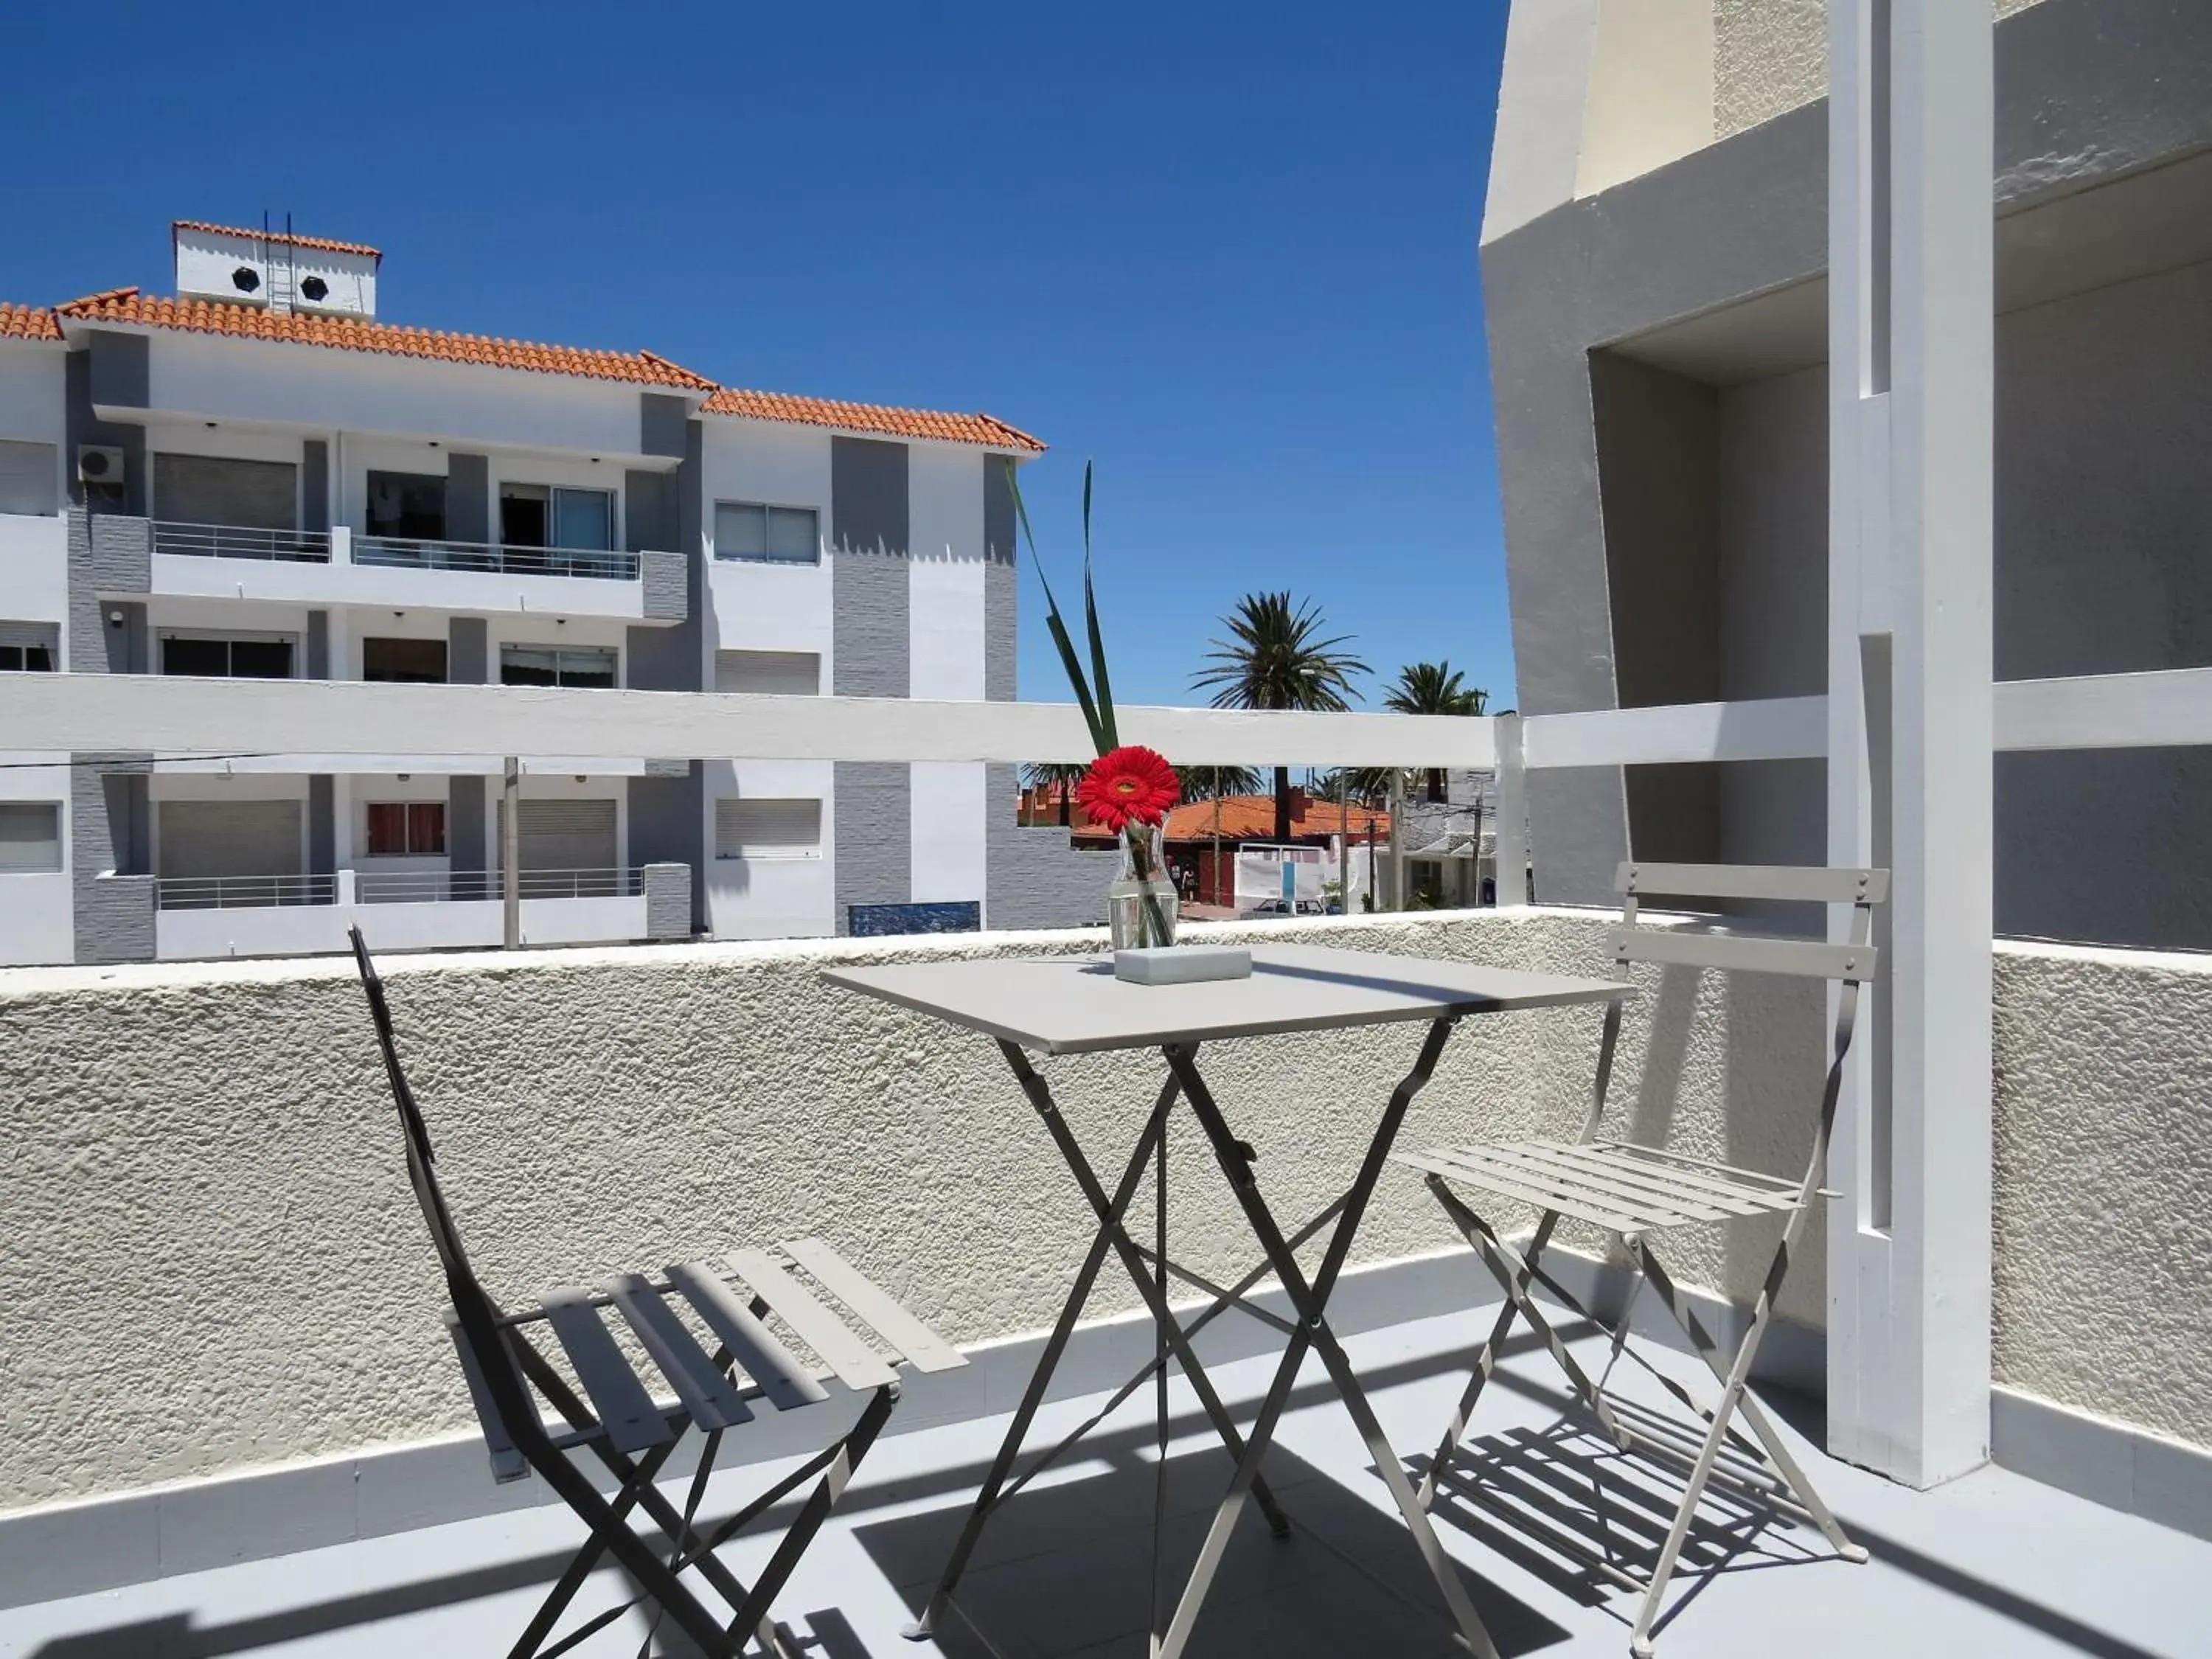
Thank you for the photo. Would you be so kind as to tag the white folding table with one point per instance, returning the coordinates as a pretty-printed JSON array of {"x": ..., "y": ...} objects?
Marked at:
[{"x": 1074, "y": 1005}]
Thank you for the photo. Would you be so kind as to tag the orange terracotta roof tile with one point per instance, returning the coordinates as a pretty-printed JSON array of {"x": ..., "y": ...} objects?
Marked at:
[
  {"x": 984, "y": 429},
  {"x": 27, "y": 323},
  {"x": 323, "y": 242},
  {"x": 1252, "y": 818},
  {"x": 128, "y": 306}
]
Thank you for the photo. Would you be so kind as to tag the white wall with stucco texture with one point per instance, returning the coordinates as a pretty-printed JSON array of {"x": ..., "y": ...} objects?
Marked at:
[{"x": 208, "y": 1209}]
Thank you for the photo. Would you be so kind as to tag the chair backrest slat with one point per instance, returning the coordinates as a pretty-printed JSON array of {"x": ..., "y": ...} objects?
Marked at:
[
  {"x": 1812, "y": 885},
  {"x": 1745, "y": 953}
]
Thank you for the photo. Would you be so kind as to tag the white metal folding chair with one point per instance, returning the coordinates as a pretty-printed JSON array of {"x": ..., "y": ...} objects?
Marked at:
[
  {"x": 799, "y": 1284},
  {"x": 1634, "y": 1191}
]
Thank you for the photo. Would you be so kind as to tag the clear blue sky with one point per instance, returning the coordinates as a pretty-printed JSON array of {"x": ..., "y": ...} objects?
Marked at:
[{"x": 1229, "y": 251}]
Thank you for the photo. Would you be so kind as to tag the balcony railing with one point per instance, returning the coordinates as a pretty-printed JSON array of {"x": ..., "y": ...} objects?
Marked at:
[
  {"x": 232, "y": 541},
  {"x": 492, "y": 558},
  {"x": 242, "y": 893},
  {"x": 459, "y": 886}
]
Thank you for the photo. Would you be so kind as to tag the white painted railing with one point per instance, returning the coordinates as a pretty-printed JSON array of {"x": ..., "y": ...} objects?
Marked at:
[
  {"x": 242, "y": 893},
  {"x": 231, "y": 541},
  {"x": 258, "y": 719},
  {"x": 495, "y": 558},
  {"x": 461, "y": 886}
]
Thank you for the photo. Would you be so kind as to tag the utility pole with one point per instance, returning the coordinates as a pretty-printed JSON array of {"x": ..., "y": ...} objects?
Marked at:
[
  {"x": 510, "y": 853},
  {"x": 1397, "y": 841}
]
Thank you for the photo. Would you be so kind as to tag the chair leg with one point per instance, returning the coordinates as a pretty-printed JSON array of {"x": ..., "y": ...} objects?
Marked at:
[
  {"x": 1513, "y": 1274},
  {"x": 1486, "y": 1361},
  {"x": 585, "y": 1559},
  {"x": 643, "y": 1564},
  {"x": 1754, "y": 1413},
  {"x": 752, "y": 1616}
]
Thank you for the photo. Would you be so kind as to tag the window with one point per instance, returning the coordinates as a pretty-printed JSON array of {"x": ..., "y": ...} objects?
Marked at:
[
  {"x": 411, "y": 505},
  {"x": 244, "y": 657},
  {"x": 410, "y": 829},
  {"x": 549, "y": 664},
  {"x": 783, "y": 535},
  {"x": 777, "y": 673},
  {"x": 30, "y": 836},
  {"x": 30, "y": 478},
  {"x": 538, "y": 515},
  {"x": 768, "y": 828},
  {"x": 28, "y": 648},
  {"x": 414, "y": 662}
]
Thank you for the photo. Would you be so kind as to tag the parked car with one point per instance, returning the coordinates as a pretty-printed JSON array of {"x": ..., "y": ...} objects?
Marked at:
[{"x": 1273, "y": 907}]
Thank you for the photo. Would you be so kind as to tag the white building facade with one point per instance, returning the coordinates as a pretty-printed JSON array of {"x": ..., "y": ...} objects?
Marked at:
[{"x": 259, "y": 478}]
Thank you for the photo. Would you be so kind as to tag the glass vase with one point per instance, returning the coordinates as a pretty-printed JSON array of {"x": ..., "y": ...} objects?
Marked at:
[{"x": 1141, "y": 905}]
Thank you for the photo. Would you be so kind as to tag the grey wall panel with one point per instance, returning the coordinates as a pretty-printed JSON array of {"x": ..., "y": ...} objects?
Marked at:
[
  {"x": 464, "y": 823},
  {"x": 1001, "y": 631},
  {"x": 1658, "y": 493},
  {"x": 122, "y": 370},
  {"x": 468, "y": 498},
  {"x": 318, "y": 644},
  {"x": 870, "y": 623},
  {"x": 315, "y": 484},
  {"x": 668, "y": 825},
  {"x": 874, "y": 834},
  {"x": 674, "y": 658},
  {"x": 648, "y": 510},
  {"x": 1000, "y": 541},
  {"x": 468, "y": 651},
  {"x": 661, "y": 420},
  {"x": 1773, "y": 451},
  {"x": 322, "y": 825},
  {"x": 83, "y": 427},
  {"x": 1034, "y": 878},
  {"x": 110, "y": 828},
  {"x": 868, "y": 502},
  {"x": 108, "y": 555}
]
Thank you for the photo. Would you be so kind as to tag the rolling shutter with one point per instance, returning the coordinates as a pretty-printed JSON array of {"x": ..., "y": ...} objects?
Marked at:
[
  {"x": 768, "y": 828},
  {"x": 210, "y": 489},
  {"x": 228, "y": 838},
  {"x": 564, "y": 835},
  {"x": 780, "y": 673}
]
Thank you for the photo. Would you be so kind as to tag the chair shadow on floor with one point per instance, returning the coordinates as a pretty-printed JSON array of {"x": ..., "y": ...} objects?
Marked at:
[
  {"x": 1067, "y": 1570},
  {"x": 1569, "y": 1507}
]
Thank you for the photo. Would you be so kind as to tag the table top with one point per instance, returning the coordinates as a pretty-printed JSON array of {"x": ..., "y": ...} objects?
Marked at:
[{"x": 1074, "y": 1005}]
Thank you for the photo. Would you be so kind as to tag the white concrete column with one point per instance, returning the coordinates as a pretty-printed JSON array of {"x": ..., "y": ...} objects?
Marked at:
[{"x": 1912, "y": 116}]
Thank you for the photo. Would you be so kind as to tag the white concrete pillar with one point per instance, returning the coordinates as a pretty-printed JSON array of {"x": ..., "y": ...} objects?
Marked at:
[{"x": 1911, "y": 115}]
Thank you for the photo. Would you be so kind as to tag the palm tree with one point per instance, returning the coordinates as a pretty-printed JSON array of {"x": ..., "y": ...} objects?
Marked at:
[
  {"x": 1044, "y": 774},
  {"x": 1274, "y": 658},
  {"x": 1217, "y": 784},
  {"x": 1434, "y": 688}
]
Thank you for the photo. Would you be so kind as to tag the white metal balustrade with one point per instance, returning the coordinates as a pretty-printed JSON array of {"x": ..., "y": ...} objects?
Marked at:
[
  {"x": 242, "y": 893},
  {"x": 232, "y": 541},
  {"x": 462, "y": 886},
  {"x": 495, "y": 558}
]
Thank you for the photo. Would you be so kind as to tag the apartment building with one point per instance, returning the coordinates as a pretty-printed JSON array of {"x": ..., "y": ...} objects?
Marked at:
[{"x": 258, "y": 477}]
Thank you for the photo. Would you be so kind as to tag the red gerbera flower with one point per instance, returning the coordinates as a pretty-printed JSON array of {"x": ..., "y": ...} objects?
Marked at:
[{"x": 1126, "y": 786}]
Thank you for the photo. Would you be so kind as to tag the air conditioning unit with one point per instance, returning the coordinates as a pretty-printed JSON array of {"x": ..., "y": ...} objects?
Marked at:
[{"x": 99, "y": 464}]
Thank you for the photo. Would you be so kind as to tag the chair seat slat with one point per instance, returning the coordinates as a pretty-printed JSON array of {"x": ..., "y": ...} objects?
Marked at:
[
  {"x": 857, "y": 1365},
  {"x": 1765, "y": 1192},
  {"x": 508, "y": 1463},
  {"x": 1486, "y": 1167},
  {"x": 1597, "y": 1214},
  {"x": 751, "y": 1344},
  {"x": 924, "y": 1350},
  {"x": 626, "y": 1409},
  {"x": 698, "y": 1382},
  {"x": 1628, "y": 1186}
]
